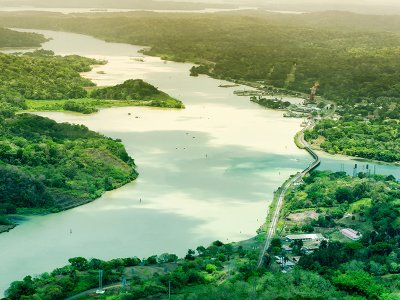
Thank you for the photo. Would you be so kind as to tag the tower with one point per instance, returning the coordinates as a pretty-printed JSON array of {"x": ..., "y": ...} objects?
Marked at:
[{"x": 355, "y": 170}]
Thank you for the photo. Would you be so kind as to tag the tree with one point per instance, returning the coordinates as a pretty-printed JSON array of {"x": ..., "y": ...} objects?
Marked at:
[
  {"x": 343, "y": 194},
  {"x": 152, "y": 260},
  {"x": 359, "y": 282},
  {"x": 79, "y": 263},
  {"x": 201, "y": 250},
  {"x": 167, "y": 258},
  {"x": 18, "y": 289},
  {"x": 190, "y": 255}
]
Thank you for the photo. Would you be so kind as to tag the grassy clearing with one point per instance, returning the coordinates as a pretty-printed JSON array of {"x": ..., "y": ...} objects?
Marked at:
[{"x": 360, "y": 204}]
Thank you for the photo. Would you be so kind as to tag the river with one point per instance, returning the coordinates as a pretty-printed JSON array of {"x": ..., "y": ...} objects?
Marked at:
[{"x": 206, "y": 172}]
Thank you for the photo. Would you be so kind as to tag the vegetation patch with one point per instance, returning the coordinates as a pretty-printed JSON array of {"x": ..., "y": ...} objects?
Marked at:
[
  {"x": 376, "y": 139},
  {"x": 12, "y": 38}
]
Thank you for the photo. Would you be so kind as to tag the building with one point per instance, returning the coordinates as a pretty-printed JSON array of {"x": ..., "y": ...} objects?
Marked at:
[
  {"x": 310, "y": 237},
  {"x": 351, "y": 233}
]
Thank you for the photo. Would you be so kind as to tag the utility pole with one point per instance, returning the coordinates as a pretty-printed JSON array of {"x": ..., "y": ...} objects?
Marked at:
[
  {"x": 100, "y": 279},
  {"x": 100, "y": 290}
]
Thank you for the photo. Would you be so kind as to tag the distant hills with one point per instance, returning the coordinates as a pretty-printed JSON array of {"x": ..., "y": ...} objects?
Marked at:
[
  {"x": 123, "y": 4},
  {"x": 386, "y": 7}
]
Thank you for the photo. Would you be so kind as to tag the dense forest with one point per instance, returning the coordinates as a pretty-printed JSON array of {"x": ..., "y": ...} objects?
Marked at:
[
  {"x": 377, "y": 139},
  {"x": 355, "y": 63},
  {"x": 349, "y": 64},
  {"x": 43, "y": 75},
  {"x": 340, "y": 268},
  {"x": 56, "y": 166},
  {"x": 11, "y": 38},
  {"x": 136, "y": 90}
]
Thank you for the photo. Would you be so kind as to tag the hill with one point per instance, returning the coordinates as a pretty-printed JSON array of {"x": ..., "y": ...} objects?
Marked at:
[{"x": 11, "y": 38}]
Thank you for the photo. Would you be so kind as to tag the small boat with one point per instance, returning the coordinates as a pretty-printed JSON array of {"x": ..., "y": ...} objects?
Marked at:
[
  {"x": 228, "y": 85},
  {"x": 139, "y": 59}
]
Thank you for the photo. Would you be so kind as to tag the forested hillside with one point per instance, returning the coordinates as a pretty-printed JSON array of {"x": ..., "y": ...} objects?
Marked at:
[
  {"x": 137, "y": 90},
  {"x": 56, "y": 166},
  {"x": 43, "y": 75},
  {"x": 11, "y": 38},
  {"x": 350, "y": 64}
]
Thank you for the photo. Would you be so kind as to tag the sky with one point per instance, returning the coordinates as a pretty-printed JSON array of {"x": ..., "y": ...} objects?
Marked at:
[{"x": 360, "y": 6}]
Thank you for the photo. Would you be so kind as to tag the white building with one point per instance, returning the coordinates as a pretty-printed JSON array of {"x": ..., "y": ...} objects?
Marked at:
[
  {"x": 312, "y": 237},
  {"x": 351, "y": 233}
]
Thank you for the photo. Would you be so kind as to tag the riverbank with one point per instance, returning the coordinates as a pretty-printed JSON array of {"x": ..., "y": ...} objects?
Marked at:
[
  {"x": 54, "y": 167},
  {"x": 317, "y": 148},
  {"x": 7, "y": 228},
  {"x": 94, "y": 105}
]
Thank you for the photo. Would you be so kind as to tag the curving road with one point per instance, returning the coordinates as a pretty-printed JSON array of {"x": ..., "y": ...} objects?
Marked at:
[{"x": 299, "y": 176}]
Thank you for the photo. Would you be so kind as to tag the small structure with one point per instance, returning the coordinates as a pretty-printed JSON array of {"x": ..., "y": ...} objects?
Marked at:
[
  {"x": 296, "y": 259},
  {"x": 286, "y": 248},
  {"x": 100, "y": 289},
  {"x": 313, "y": 91},
  {"x": 285, "y": 262},
  {"x": 315, "y": 237},
  {"x": 351, "y": 233}
]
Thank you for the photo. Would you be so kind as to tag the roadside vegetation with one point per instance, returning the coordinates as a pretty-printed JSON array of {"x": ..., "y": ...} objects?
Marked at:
[{"x": 216, "y": 272}]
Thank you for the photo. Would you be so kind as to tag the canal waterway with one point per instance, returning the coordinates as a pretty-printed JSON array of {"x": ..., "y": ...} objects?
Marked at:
[{"x": 207, "y": 172}]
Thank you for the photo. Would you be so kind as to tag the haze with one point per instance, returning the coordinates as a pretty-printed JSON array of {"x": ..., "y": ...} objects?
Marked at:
[{"x": 359, "y": 6}]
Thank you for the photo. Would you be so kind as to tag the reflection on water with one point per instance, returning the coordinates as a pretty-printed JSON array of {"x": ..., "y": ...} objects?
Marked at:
[{"x": 341, "y": 163}]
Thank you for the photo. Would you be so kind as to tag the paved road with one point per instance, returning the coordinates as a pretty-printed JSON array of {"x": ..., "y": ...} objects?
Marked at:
[
  {"x": 299, "y": 176},
  {"x": 91, "y": 291}
]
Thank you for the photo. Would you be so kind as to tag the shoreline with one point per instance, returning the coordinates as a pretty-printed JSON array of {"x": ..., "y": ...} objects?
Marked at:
[
  {"x": 22, "y": 217},
  {"x": 348, "y": 157},
  {"x": 7, "y": 228}
]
